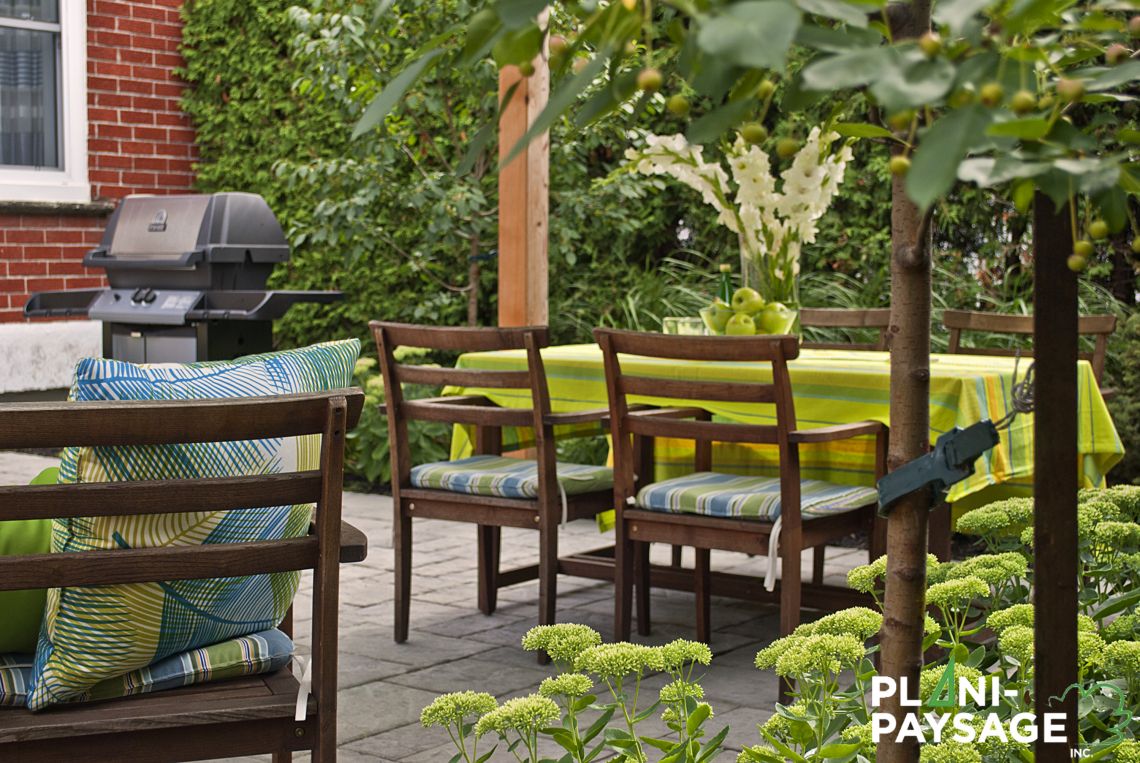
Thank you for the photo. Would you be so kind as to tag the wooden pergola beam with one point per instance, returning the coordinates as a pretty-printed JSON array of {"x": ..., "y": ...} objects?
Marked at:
[{"x": 524, "y": 189}]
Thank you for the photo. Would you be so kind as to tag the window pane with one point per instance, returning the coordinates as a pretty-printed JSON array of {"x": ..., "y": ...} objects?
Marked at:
[
  {"x": 29, "y": 130},
  {"x": 31, "y": 10}
]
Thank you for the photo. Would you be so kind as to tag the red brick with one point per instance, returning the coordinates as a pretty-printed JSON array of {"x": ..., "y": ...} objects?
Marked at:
[
  {"x": 136, "y": 117},
  {"x": 111, "y": 99},
  {"x": 10, "y": 316},
  {"x": 138, "y": 149},
  {"x": 173, "y": 89},
  {"x": 151, "y": 104},
  {"x": 148, "y": 72},
  {"x": 171, "y": 60},
  {"x": 110, "y": 161},
  {"x": 154, "y": 164},
  {"x": 98, "y": 53},
  {"x": 136, "y": 86},
  {"x": 140, "y": 179},
  {"x": 12, "y": 285},
  {"x": 27, "y": 268},
  {"x": 155, "y": 134},
  {"x": 144, "y": 11},
  {"x": 111, "y": 8},
  {"x": 183, "y": 136},
  {"x": 48, "y": 252},
  {"x": 87, "y": 282},
  {"x": 135, "y": 26},
  {"x": 153, "y": 43},
  {"x": 105, "y": 130},
  {"x": 171, "y": 119},
  {"x": 100, "y": 21},
  {"x": 137, "y": 57},
  {"x": 105, "y": 84},
  {"x": 67, "y": 268},
  {"x": 169, "y": 31},
  {"x": 24, "y": 236},
  {"x": 66, "y": 236},
  {"x": 112, "y": 39},
  {"x": 45, "y": 284}
]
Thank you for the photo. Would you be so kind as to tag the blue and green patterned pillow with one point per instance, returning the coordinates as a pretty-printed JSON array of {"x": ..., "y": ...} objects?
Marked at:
[
  {"x": 91, "y": 634},
  {"x": 265, "y": 652}
]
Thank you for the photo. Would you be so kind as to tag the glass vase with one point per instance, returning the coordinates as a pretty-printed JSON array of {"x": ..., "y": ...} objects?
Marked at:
[{"x": 784, "y": 288}]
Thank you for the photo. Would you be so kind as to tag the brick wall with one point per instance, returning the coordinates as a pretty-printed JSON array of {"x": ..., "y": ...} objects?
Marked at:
[{"x": 139, "y": 141}]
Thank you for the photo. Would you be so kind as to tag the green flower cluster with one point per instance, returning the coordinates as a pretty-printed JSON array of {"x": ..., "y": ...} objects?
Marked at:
[
  {"x": 819, "y": 654},
  {"x": 929, "y": 678},
  {"x": 679, "y": 690},
  {"x": 1127, "y": 500},
  {"x": 861, "y": 733},
  {"x": 1016, "y": 641},
  {"x": 860, "y": 622},
  {"x": 610, "y": 661},
  {"x": 1001, "y": 519},
  {"x": 456, "y": 707},
  {"x": 994, "y": 569},
  {"x": 1127, "y": 752},
  {"x": 1123, "y": 628},
  {"x": 572, "y": 685},
  {"x": 679, "y": 653},
  {"x": 563, "y": 642},
  {"x": 1090, "y": 650},
  {"x": 993, "y": 748},
  {"x": 522, "y": 714},
  {"x": 1018, "y": 614},
  {"x": 949, "y": 752},
  {"x": 865, "y": 578},
  {"x": 1116, "y": 536},
  {"x": 955, "y": 594},
  {"x": 1122, "y": 658}
]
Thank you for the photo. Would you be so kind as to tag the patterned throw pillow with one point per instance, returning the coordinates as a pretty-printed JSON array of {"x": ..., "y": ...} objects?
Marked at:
[
  {"x": 265, "y": 652},
  {"x": 91, "y": 634}
]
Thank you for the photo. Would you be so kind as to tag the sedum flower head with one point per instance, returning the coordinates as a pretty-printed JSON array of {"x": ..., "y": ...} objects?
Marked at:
[
  {"x": 955, "y": 594},
  {"x": 678, "y": 691},
  {"x": 1001, "y": 519},
  {"x": 449, "y": 709},
  {"x": 994, "y": 569},
  {"x": 930, "y": 626},
  {"x": 860, "y": 622},
  {"x": 767, "y": 657},
  {"x": 859, "y": 732},
  {"x": 1122, "y": 658},
  {"x": 1018, "y": 614},
  {"x": 1127, "y": 500},
  {"x": 522, "y": 714},
  {"x": 1016, "y": 641},
  {"x": 820, "y": 654},
  {"x": 570, "y": 685},
  {"x": 563, "y": 641},
  {"x": 950, "y": 752},
  {"x": 865, "y": 578},
  {"x": 1127, "y": 752},
  {"x": 994, "y": 747},
  {"x": 1123, "y": 628},
  {"x": 618, "y": 660},
  {"x": 678, "y": 653},
  {"x": 928, "y": 679},
  {"x": 1086, "y": 624},
  {"x": 1090, "y": 650},
  {"x": 1116, "y": 536}
]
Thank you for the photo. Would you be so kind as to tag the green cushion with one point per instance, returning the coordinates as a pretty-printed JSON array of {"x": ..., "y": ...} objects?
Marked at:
[
  {"x": 23, "y": 610},
  {"x": 94, "y": 633},
  {"x": 506, "y": 477}
]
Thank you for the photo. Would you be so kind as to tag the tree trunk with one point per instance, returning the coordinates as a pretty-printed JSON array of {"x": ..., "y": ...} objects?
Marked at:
[
  {"x": 473, "y": 283},
  {"x": 905, "y": 599}
]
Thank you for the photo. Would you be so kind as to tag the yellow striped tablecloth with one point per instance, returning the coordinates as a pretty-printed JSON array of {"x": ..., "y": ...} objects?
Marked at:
[{"x": 829, "y": 387}]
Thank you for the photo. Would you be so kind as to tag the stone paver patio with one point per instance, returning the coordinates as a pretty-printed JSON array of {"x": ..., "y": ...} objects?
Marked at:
[{"x": 452, "y": 646}]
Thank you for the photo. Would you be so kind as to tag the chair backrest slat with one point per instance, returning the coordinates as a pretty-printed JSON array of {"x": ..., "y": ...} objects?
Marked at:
[
  {"x": 711, "y": 348},
  {"x": 702, "y": 430},
  {"x": 959, "y": 321},
  {"x": 462, "y": 377},
  {"x": 50, "y": 425},
  {"x": 741, "y": 392},
  {"x": 143, "y": 565},
  {"x": 103, "y": 499},
  {"x": 459, "y": 338},
  {"x": 831, "y": 318},
  {"x": 483, "y": 415}
]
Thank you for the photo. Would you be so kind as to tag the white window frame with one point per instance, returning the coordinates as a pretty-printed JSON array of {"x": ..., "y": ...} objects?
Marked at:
[{"x": 69, "y": 184}]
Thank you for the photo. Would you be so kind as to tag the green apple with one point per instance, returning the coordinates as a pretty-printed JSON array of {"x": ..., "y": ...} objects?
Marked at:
[
  {"x": 747, "y": 300},
  {"x": 716, "y": 316},
  {"x": 740, "y": 324},
  {"x": 776, "y": 319}
]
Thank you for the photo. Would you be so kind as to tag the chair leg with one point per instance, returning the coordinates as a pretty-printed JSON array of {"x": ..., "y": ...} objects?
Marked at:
[
  {"x": 489, "y": 546},
  {"x": 878, "y": 537},
  {"x": 547, "y": 571},
  {"x": 283, "y": 757},
  {"x": 940, "y": 532},
  {"x": 623, "y": 582},
  {"x": 641, "y": 582},
  {"x": 402, "y": 546},
  {"x": 677, "y": 555},
  {"x": 818, "y": 559},
  {"x": 790, "y": 599},
  {"x": 701, "y": 580}
]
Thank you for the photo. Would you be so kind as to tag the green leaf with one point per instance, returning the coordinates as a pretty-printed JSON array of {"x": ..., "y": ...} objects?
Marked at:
[
  {"x": 838, "y": 750},
  {"x": 560, "y": 101},
  {"x": 789, "y": 753},
  {"x": 697, "y": 717},
  {"x": 483, "y": 27},
  {"x": 714, "y": 124},
  {"x": 1091, "y": 175},
  {"x": 607, "y": 99},
  {"x": 850, "y": 69},
  {"x": 713, "y": 745},
  {"x": 862, "y": 130},
  {"x": 1034, "y": 128},
  {"x": 518, "y": 46},
  {"x": 836, "y": 40},
  {"x": 597, "y": 726},
  {"x": 1121, "y": 74},
  {"x": 754, "y": 34},
  {"x": 518, "y": 13},
  {"x": 661, "y": 744},
  {"x": 476, "y": 147},
  {"x": 956, "y": 13},
  {"x": 388, "y": 97},
  {"x": 943, "y": 147},
  {"x": 920, "y": 82},
  {"x": 1023, "y": 191},
  {"x": 835, "y": 9}
]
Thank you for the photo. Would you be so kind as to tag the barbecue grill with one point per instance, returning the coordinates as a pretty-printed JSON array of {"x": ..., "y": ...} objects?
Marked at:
[{"x": 187, "y": 279}]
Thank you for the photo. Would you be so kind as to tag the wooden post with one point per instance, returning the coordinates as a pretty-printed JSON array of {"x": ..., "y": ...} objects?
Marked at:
[
  {"x": 524, "y": 187},
  {"x": 1055, "y": 472}
]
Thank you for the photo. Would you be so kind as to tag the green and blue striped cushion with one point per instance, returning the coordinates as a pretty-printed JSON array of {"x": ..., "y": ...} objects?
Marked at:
[
  {"x": 504, "y": 477},
  {"x": 91, "y": 634},
  {"x": 729, "y": 495},
  {"x": 264, "y": 652}
]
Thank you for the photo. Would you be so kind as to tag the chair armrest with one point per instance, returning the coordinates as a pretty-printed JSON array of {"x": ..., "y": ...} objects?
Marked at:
[
  {"x": 668, "y": 413},
  {"x": 578, "y": 417},
  {"x": 445, "y": 400},
  {"x": 353, "y": 544},
  {"x": 838, "y": 432}
]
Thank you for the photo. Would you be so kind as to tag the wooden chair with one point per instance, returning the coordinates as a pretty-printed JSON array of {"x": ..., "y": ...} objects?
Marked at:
[
  {"x": 246, "y": 716},
  {"x": 1100, "y": 327},
  {"x": 840, "y": 318},
  {"x": 555, "y": 499},
  {"x": 638, "y": 525}
]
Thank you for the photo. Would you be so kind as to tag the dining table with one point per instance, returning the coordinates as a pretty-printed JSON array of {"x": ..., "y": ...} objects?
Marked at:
[{"x": 832, "y": 386}]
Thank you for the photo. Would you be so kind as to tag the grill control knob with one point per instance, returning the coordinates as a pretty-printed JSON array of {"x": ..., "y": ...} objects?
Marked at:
[
  {"x": 137, "y": 297},
  {"x": 149, "y": 296}
]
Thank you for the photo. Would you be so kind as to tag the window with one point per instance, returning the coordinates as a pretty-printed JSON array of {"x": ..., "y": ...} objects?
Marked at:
[{"x": 43, "y": 92}]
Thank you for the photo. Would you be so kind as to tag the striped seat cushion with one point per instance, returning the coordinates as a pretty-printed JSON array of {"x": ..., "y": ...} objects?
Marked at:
[
  {"x": 729, "y": 495},
  {"x": 507, "y": 477},
  {"x": 264, "y": 652}
]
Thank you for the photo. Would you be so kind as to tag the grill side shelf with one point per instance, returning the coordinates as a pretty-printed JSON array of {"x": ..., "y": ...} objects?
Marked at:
[
  {"x": 55, "y": 304},
  {"x": 255, "y": 305}
]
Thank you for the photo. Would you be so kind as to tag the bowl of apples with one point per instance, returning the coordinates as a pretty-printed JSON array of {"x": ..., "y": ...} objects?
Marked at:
[{"x": 748, "y": 314}]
